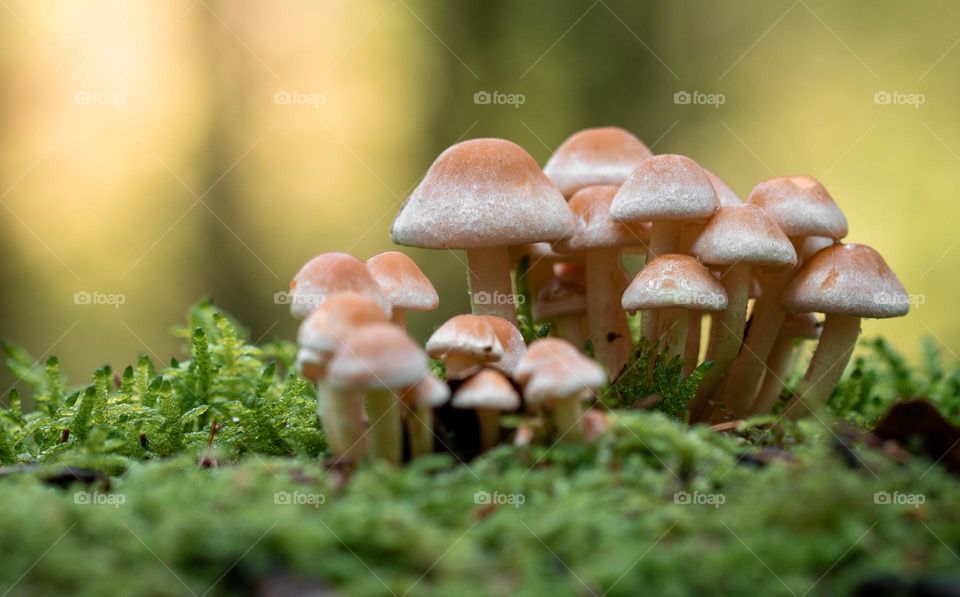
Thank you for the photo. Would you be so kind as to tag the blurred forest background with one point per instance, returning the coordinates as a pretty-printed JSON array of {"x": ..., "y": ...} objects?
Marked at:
[{"x": 156, "y": 152}]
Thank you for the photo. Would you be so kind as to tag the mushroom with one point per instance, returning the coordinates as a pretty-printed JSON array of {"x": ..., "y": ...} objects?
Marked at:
[
  {"x": 542, "y": 258},
  {"x": 675, "y": 283},
  {"x": 555, "y": 374},
  {"x": 796, "y": 328},
  {"x": 595, "y": 156},
  {"x": 466, "y": 343},
  {"x": 667, "y": 190},
  {"x": 404, "y": 284},
  {"x": 484, "y": 196},
  {"x": 488, "y": 393},
  {"x": 379, "y": 359},
  {"x": 738, "y": 239},
  {"x": 330, "y": 273},
  {"x": 802, "y": 207},
  {"x": 847, "y": 283},
  {"x": 563, "y": 303},
  {"x": 600, "y": 239},
  {"x": 428, "y": 393}
]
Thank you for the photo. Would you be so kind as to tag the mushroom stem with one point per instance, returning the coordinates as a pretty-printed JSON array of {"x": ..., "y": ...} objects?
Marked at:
[
  {"x": 566, "y": 415},
  {"x": 837, "y": 341},
  {"x": 419, "y": 423},
  {"x": 570, "y": 328},
  {"x": 779, "y": 366},
  {"x": 606, "y": 319},
  {"x": 491, "y": 289},
  {"x": 399, "y": 317},
  {"x": 386, "y": 441},
  {"x": 726, "y": 334},
  {"x": 666, "y": 237},
  {"x": 674, "y": 322},
  {"x": 342, "y": 416},
  {"x": 489, "y": 421},
  {"x": 691, "y": 355},
  {"x": 459, "y": 366}
]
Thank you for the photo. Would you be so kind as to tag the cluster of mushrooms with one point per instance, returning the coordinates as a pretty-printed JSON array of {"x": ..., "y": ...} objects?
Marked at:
[{"x": 708, "y": 258}]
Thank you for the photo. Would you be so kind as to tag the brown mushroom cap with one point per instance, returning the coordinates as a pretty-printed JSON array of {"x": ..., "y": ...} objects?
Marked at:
[
  {"x": 328, "y": 274},
  {"x": 558, "y": 298},
  {"x": 801, "y": 206},
  {"x": 483, "y": 193},
  {"x": 377, "y": 356},
  {"x": 553, "y": 369},
  {"x": 725, "y": 195},
  {"x": 403, "y": 282},
  {"x": 340, "y": 314},
  {"x": 429, "y": 392},
  {"x": 675, "y": 281},
  {"x": 665, "y": 187},
  {"x": 595, "y": 156},
  {"x": 487, "y": 389},
  {"x": 546, "y": 351},
  {"x": 849, "y": 280},
  {"x": 744, "y": 233},
  {"x": 486, "y": 338},
  {"x": 593, "y": 228},
  {"x": 801, "y": 325}
]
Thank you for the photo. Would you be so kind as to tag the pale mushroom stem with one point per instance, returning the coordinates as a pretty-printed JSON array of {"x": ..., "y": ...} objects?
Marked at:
[
  {"x": 666, "y": 236},
  {"x": 489, "y": 421},
  {"x": 674, "y": 333},
  {"x": 606, "y": 319},
  {"x": 691, "y": 355},
  {"x": 566, "y": 415},
  {"x": 385, "y": 439},
  {"x": 399, "y": 317},
  {"x": 420, "y": 430},
  {"x": 342, "y": 416},
  {"x": 570, "y": 328},
  {"x": 726, "y": 335},
  {"x": 491, "y": 289},
  {"x": 837, "y": 341},
  {"x": 779, "y": 365}
]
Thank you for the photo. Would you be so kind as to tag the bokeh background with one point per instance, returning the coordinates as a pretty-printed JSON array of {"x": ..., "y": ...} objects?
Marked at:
[{"x": 154, "y": 152}]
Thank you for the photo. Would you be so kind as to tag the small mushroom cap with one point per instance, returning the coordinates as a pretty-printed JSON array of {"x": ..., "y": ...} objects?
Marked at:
[
  {"x": 377, "y": 356},
  {"x": 575, "y": 272},
  {"x": 483, "y": 193},
  {"x": 849, "y": 280},
  {"x": 486, "y": 338},
  {"x": 814, "y": 244},
  {"x": 675, "y": 281},
  {"x": 595, "y": 156},
  {"x": 336, "y": 318},
  {"x": 593, "y": 228},
  {"x": 487, "y": 389},
  {"x": 545, "y": 351},
  {"x": 801, "y": 325},
  {"x": 725, "y": 195},
  {"x": 328, "y": 274},
  {"x": 553, "y": 369},
  {"x": 429, "y": 392},
  {"x": 558, "y": 298},
  {"x": 801, "y": 205},
  {"x": 745, "y": 234},
  {"x": 403, "y": 282},
  {"x": 665, "y": 187}
]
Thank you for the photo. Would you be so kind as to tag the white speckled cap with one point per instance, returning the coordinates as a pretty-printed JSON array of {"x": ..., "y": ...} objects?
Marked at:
[
  {"x": 849, "y": 280},
  {"x": 403, "y": 282},
  {"x": 377, "y": 356},
  {"x": 675, "y": 281},
  {"x": 429, "y": 391},
  {"x": 486, "y": 338},
  {"x": 665, "y": 187},
  {"x": 558, "y": 298},
  {"x": 340, "y": 314},
  {"x": 593, "y": 228},
  {"x": 725, "y": 195},
  {"x": 745, "y": 234},
  {"x": 801, "y": 205},
  {"x": 483, "y": 193},
  {"x": 487, "y": 389},
  {"x": 328, "y": 274},
  {"x": 596, "y": 156}
]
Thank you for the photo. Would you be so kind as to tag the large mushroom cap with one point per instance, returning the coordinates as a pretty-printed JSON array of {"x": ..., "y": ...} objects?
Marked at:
[
  {"x": 377, "y": 356},
  {"x": 403, "y": 282},
  {"x": 744, "y": 233},
  {"x": 483, "y": 193},
  {"x": 558, "y": 298},
  {"x": 595, "y": 156},
  {"x": 487, "y": 389},
  {"x": 593, "y": 228},
  {"x": 801, "y": 205},
  {"x": 665, "y": 187},
  {"x": 328, "y": 274},
  {"x": 849, "y": 280},
  {"x": 326, "y": 327},
  {"x": 725, "y": 195},
  {"x": 675, "y": 281},
  {"x": 485, "y": 338}
]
